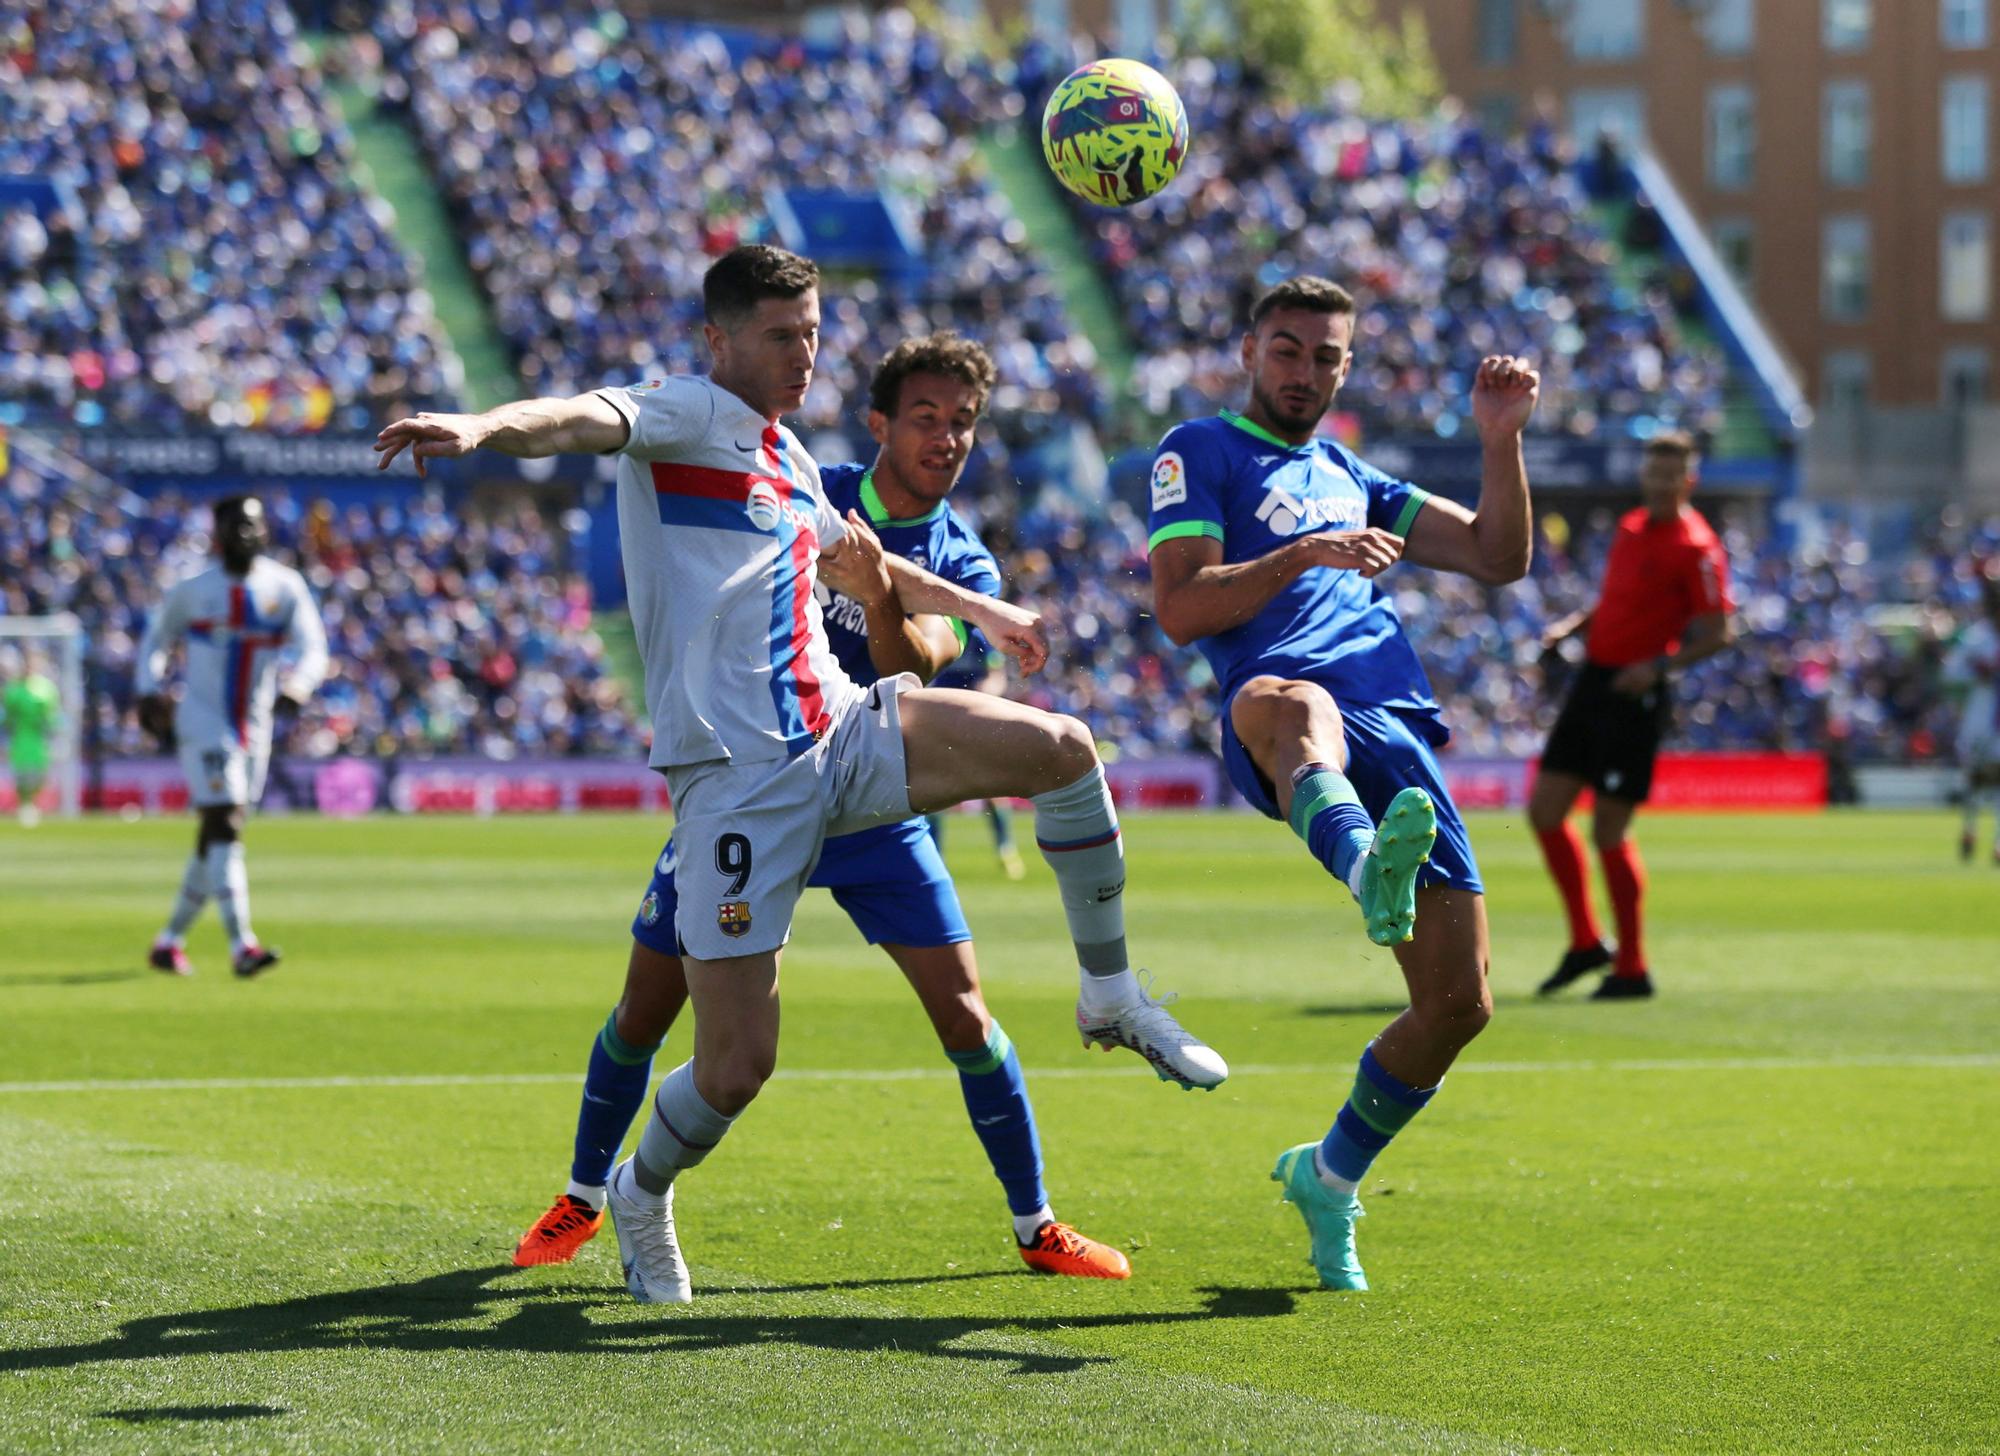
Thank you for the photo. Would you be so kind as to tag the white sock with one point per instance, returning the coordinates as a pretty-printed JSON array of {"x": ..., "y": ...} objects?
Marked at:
[
  {"x": 627, "y": 1187},
  {"x": 1027, "y": 1225},
  {"x": 187, "y": 905},
  {"x": 1108, "y": 993},
  {"x": 1333, "y": 1180},
  {"x": 590, "y": 1193},
  {"x": 1354, "y": 874},
  {"x": 229, "y": 882},
  {"x": 1077, "y": 830}
]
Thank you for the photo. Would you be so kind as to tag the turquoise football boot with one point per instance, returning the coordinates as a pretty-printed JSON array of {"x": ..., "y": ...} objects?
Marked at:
[
  {"x": 1402, "y": 846},
  {"x": 1329, "y": 1217}
]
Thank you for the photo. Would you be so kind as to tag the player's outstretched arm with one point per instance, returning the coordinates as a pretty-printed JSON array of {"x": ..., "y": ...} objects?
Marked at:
[
  {"x": 1014, "y": 630},
  {"x": 1494, "y": 544},
  {"x": 898, "y": 641},
  {"x": 530, "y": 428},
  {"x": 1196, "y": 596}
]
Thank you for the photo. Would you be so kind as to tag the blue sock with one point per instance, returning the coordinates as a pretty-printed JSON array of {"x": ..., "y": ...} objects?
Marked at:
[
  {"x": 1380, "y": 1106},
  {"x": 1327, "y": 815},
  {"x": 612, "y": 1091},
  {"x": 996, "y": 1096}
]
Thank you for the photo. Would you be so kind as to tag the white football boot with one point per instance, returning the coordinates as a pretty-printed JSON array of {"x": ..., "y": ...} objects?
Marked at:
[
  {"x": 1148, "y": 1028},
  {"x": 654, "y": 1269}
]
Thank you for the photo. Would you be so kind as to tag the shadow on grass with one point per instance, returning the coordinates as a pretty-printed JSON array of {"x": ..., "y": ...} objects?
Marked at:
[
  {"x": 439, "y": 1313},
  {"x": 77, "y": 978},
  {"x": 1396, "y": 1008},
  {"x": 141, "y": 1416}
]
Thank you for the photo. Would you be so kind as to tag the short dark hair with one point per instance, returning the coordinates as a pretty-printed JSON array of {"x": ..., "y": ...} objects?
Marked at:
[
  {"x": 231, "y": 508},
  {"x": 946, "y": 353},
  {"x": 1315, "y": 295},
  {"x": 1677, "y": 443},
  {"x": 744, "y": 277}
]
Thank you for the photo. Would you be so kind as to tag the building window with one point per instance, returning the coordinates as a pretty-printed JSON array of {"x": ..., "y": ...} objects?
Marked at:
[
  {"x": 1844, "y": 132},
  {"x": 1729, "y": 26},
  {"x": 1963, "y": 129},
  {"x": 1620, "y": 112},
  {"x": 1499, "y": 32},
  {"x": 1846, "y": 380},
  {"x": 1962, "y": 24},
  {"x": 1968, "y": 377},
  {"x": 1732, "y": 136},
  {"x": 1844, "y": 268},
  {"x": 1965, "y": 274},
  {"x": 1606, "y": 30},
  {"x": 1844, "y": 24},
  {"x": 1733, "y": 237}
]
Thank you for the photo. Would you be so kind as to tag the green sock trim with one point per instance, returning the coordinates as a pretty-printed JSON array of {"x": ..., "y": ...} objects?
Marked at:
[
  {"x": 615, "y": 1046},
  {"x": 1315, "y": 792},
  {"x": 989, "y": 1058},
  {"x": 1378, "y": 1109}
]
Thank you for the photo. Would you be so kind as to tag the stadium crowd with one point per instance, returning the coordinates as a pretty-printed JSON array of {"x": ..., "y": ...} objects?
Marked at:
[
  {"x": 596, "y": 166},
  {"x": 449, "y": 632},
  {"x": 1460, "y": 243},
  {"x": 457, "y": 632},
  {"x": 208, "y": 259}
]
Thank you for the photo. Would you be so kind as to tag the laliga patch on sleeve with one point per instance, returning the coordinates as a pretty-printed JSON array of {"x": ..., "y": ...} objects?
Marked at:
[
  {"x": 1169, "y": 481},
  {"x": 647, "y": 388}
]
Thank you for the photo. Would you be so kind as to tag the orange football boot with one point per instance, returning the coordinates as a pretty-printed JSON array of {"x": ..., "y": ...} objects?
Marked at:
[
  {"x": 568, "y": 1225},
  {"x": 1060, "y": 1249}
]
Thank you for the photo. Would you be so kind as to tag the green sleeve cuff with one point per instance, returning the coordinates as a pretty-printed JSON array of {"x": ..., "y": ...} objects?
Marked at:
[
  {"x": 958, "y": 629},
  {"x": 1410, "y": 508},
  {"x": 1184, "y": 528}
]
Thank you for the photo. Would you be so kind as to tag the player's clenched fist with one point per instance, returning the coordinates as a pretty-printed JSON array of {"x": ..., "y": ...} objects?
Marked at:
[
  {"x": 1371, "y": 551},
  {"x": 430, "y": 437},
  {"x": 856, "y": 566},
  {"x": 1504, "y": 394}
]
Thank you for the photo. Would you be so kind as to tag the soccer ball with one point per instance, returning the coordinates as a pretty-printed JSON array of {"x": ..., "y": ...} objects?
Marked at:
[{"x": 1115, "y": 132}]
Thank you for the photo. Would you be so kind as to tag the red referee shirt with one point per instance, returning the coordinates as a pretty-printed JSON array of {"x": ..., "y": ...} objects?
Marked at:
[{"x": 1660, "y": 576}]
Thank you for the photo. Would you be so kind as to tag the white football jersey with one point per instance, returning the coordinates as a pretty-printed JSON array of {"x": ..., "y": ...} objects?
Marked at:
[
  {"x": 235, "y": 628},
  {"x": 722, "y": 519},
  {"x": 1971, "y": 664}
]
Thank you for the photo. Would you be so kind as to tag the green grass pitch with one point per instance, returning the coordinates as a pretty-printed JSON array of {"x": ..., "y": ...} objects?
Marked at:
[{"x": 1761, "y": 1213}]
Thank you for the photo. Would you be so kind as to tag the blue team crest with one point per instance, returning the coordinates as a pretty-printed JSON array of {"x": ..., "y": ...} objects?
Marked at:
[{"x": 649, "y": 908}]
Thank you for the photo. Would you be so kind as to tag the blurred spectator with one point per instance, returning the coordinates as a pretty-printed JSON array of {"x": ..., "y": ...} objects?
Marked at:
[
  {"x": 1457, "y": 244},
  {"x": 220, "y": 269},
  {"x": 596, "y": 166}
]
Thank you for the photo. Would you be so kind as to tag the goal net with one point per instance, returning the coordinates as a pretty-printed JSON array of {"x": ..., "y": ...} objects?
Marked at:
[{"x": 50, "y": 648}]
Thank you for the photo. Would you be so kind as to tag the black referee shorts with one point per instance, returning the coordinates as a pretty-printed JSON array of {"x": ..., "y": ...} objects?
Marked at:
[{"x": 1608, "y": 739}]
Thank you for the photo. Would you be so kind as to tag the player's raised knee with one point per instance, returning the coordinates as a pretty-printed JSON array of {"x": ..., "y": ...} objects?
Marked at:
[{"x": 1066, "y": 752}]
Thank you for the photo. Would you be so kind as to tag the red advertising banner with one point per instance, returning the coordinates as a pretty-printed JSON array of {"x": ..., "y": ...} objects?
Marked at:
[
  {"x": 352, "y": 786},
  {"x": 1739, "y": 781}
]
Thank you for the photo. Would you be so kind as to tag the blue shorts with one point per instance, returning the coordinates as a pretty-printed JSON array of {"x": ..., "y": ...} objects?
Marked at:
[
  {"x": 1387, "y": 752},
  {"x": 891, "y": 882}
]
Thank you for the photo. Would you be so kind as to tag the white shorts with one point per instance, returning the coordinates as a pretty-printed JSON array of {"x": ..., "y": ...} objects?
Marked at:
[
  {"x": 222, "y": 772},
  {"x": 748, "y": 835}
]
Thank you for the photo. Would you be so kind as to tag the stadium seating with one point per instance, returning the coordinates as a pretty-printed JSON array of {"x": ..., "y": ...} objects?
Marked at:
[
  {"x": 596, "y": 167},
  {"x": 449, "y": 633},
  {"x": 1460, "y": 244},
  {"x": 215, "y": 264}
]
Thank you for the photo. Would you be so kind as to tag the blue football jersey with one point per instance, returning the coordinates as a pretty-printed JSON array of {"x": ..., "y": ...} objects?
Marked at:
[
  {"x": 939, "y": 541},
  {"x": 1227, "y": 478}
]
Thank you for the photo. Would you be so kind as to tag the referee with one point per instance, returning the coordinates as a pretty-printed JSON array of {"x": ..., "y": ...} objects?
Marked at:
[{"x": 1665, "y": 605}]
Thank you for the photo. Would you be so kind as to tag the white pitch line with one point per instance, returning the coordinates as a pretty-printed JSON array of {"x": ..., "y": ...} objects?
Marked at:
[{"x": 1886, "y": 1061}]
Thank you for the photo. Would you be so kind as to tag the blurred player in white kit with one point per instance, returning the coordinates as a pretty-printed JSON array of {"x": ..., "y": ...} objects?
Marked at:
[{"x": 235, "y": 620}]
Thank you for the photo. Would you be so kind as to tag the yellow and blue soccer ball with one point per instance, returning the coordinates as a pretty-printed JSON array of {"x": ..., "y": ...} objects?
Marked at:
[{"x": 1115, "y": 132}]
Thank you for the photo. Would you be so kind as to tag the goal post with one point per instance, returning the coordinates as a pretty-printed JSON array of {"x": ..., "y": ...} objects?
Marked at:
[{"x": 55, "y": 644}]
